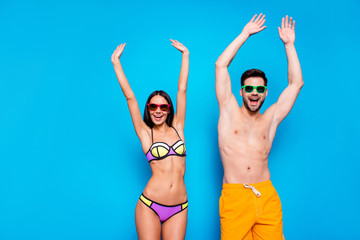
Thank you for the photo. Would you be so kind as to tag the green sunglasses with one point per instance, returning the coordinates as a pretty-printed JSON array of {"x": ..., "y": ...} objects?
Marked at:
[{"x": 259, "y": 89}]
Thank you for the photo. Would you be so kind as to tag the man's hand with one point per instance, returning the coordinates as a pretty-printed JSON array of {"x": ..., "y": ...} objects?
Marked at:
[
  {"x": 255, "y": 25},
  {"x": 287, "y": 31}
]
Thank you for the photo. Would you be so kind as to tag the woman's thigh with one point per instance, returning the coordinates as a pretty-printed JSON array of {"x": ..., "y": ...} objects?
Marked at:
[
  {"x": 148, "y": 224},
  {"x": 175, "y": 227}
]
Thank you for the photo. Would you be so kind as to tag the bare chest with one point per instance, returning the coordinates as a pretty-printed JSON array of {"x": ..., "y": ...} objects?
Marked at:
[{"x": 240, "y": 132}]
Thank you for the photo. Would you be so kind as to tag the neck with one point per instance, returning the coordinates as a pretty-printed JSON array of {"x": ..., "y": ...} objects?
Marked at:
[
  {"x": 250, "y": 114},
  {"x": 161, "y": 128}
]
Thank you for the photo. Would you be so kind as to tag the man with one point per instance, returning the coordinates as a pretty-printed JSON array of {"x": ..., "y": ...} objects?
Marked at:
[{"x": 249, "y": 205}]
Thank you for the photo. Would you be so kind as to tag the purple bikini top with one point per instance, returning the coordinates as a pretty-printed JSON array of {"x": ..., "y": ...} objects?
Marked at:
[{"x": 160, "y": 150}]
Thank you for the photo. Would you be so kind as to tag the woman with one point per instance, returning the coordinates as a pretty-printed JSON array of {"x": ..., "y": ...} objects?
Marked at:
[{"x": 162, "y": 207}]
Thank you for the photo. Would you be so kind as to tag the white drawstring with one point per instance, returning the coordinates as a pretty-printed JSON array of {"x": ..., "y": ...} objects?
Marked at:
[{"x": 256, "y": 192}]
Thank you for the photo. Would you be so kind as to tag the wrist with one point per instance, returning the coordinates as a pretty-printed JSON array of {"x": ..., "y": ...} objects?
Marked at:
[
  {"x": 116, "y": 63},
  {"x": 289, "y": 44},
  {"x": 186, "y": 53},
  {"x": 245, "y": 34}
]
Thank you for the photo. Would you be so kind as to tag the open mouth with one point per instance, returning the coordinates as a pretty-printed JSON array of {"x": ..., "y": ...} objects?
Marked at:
[
  {"x": 158, "y": 117},
  {"x": 254, "y": 100}
]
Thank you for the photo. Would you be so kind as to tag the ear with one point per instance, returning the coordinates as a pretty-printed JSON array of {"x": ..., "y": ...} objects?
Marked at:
[
  {"x": 266, "y": 93},
  {"x": 241, "y": 92}
]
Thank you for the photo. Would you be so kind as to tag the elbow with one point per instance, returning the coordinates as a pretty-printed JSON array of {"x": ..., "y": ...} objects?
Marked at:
[
  {"x": 298, "y": 84},
  {"x": 182, "y": 89},
  {"x": 220, "y": 64},
  {"x": 301, "y": 84},
  {"x": 129, "y": 97}
]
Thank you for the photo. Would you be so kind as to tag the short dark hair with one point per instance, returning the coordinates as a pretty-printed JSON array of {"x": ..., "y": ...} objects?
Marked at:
[
  {"x": 170, "y": 117},
  {"x": 253, "y": 73}
]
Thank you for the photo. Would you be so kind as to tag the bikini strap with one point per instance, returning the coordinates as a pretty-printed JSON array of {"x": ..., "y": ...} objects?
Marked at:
[{"x": 177, "y": 133}]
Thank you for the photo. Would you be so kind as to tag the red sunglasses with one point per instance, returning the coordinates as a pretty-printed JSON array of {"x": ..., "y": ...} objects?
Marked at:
[{"x": 163, "y": 107}]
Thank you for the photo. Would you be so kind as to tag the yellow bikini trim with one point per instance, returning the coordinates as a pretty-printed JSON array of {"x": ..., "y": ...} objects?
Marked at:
[
  {"x": 145, "y": 200},
  {"x": 183, "y": 206},
  {"x": 154, "y": 152},
  {"x": 162, "y": 151},
  {"x": 180, "y": 150},
  {"x": 159, "y": 150}
]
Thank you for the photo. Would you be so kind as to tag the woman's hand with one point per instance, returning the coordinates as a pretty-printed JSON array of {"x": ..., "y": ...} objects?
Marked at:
[
  {"x": 179, "y": 46},
  {"x": 115, "y": 57}
]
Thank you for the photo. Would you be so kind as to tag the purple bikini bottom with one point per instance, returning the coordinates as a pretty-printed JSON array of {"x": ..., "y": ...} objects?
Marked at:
[{"x": 163, "y": 211}]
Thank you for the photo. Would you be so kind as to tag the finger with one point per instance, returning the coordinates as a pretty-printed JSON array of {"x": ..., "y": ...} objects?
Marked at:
[
  {"x": 279, "y": 30},
  {"x": 262, "y": 28},
  {"x": 253, "y": 18},
  {"x": 261, "y": 19},
  {"x": 122, "y": 47},
  {"x": 293, "y": 25},
  {"x": 262, "y": 22},
  {"x": 290, "y": 21},
  {"x": 286, "y": 21},
  {"x": 171, "y": 40},
  {"x": 257, "y": 19},
  {"x": 282, "y": 22}
]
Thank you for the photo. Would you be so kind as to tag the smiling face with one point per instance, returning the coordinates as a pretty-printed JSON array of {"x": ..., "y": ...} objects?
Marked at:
[
  {"x": 158, "y": 117},
  {"x": 254, "y": 100}
]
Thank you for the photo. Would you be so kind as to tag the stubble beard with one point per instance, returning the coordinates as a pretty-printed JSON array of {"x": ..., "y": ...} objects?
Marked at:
[{"x": 253, "y": 110}]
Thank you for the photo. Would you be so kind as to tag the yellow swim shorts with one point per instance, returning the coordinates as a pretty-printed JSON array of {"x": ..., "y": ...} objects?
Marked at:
[{"x": 250, "y": 211}]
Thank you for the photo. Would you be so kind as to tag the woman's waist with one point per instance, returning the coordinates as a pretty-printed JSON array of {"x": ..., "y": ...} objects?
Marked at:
[
  {"x": 167, "y": 174},
  {"x": 166, "y": 192}
]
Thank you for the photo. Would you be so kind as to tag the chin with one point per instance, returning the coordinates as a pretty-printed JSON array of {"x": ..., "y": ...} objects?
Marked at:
[
  {"x": 158, "y": 124},
  {"x": 253, "y": 109}
]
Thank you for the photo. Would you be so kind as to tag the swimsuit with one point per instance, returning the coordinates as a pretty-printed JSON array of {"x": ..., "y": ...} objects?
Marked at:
[
  {"x": 250, "y": 211},
  {"x": 159, "y": 151},
  {"x": 164, "y": 212}
]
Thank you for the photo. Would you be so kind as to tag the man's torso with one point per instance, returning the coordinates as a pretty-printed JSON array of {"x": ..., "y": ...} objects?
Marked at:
[{"x": 245, "y": 144}]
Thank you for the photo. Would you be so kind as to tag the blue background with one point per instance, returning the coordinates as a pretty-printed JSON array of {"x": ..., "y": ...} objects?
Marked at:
[{"x": 71, "y": 166}]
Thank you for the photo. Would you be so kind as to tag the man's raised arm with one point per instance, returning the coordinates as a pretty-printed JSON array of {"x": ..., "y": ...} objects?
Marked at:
[
  {"x": 295, "y": 80},
  {"x": 222, "y": 82}
]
